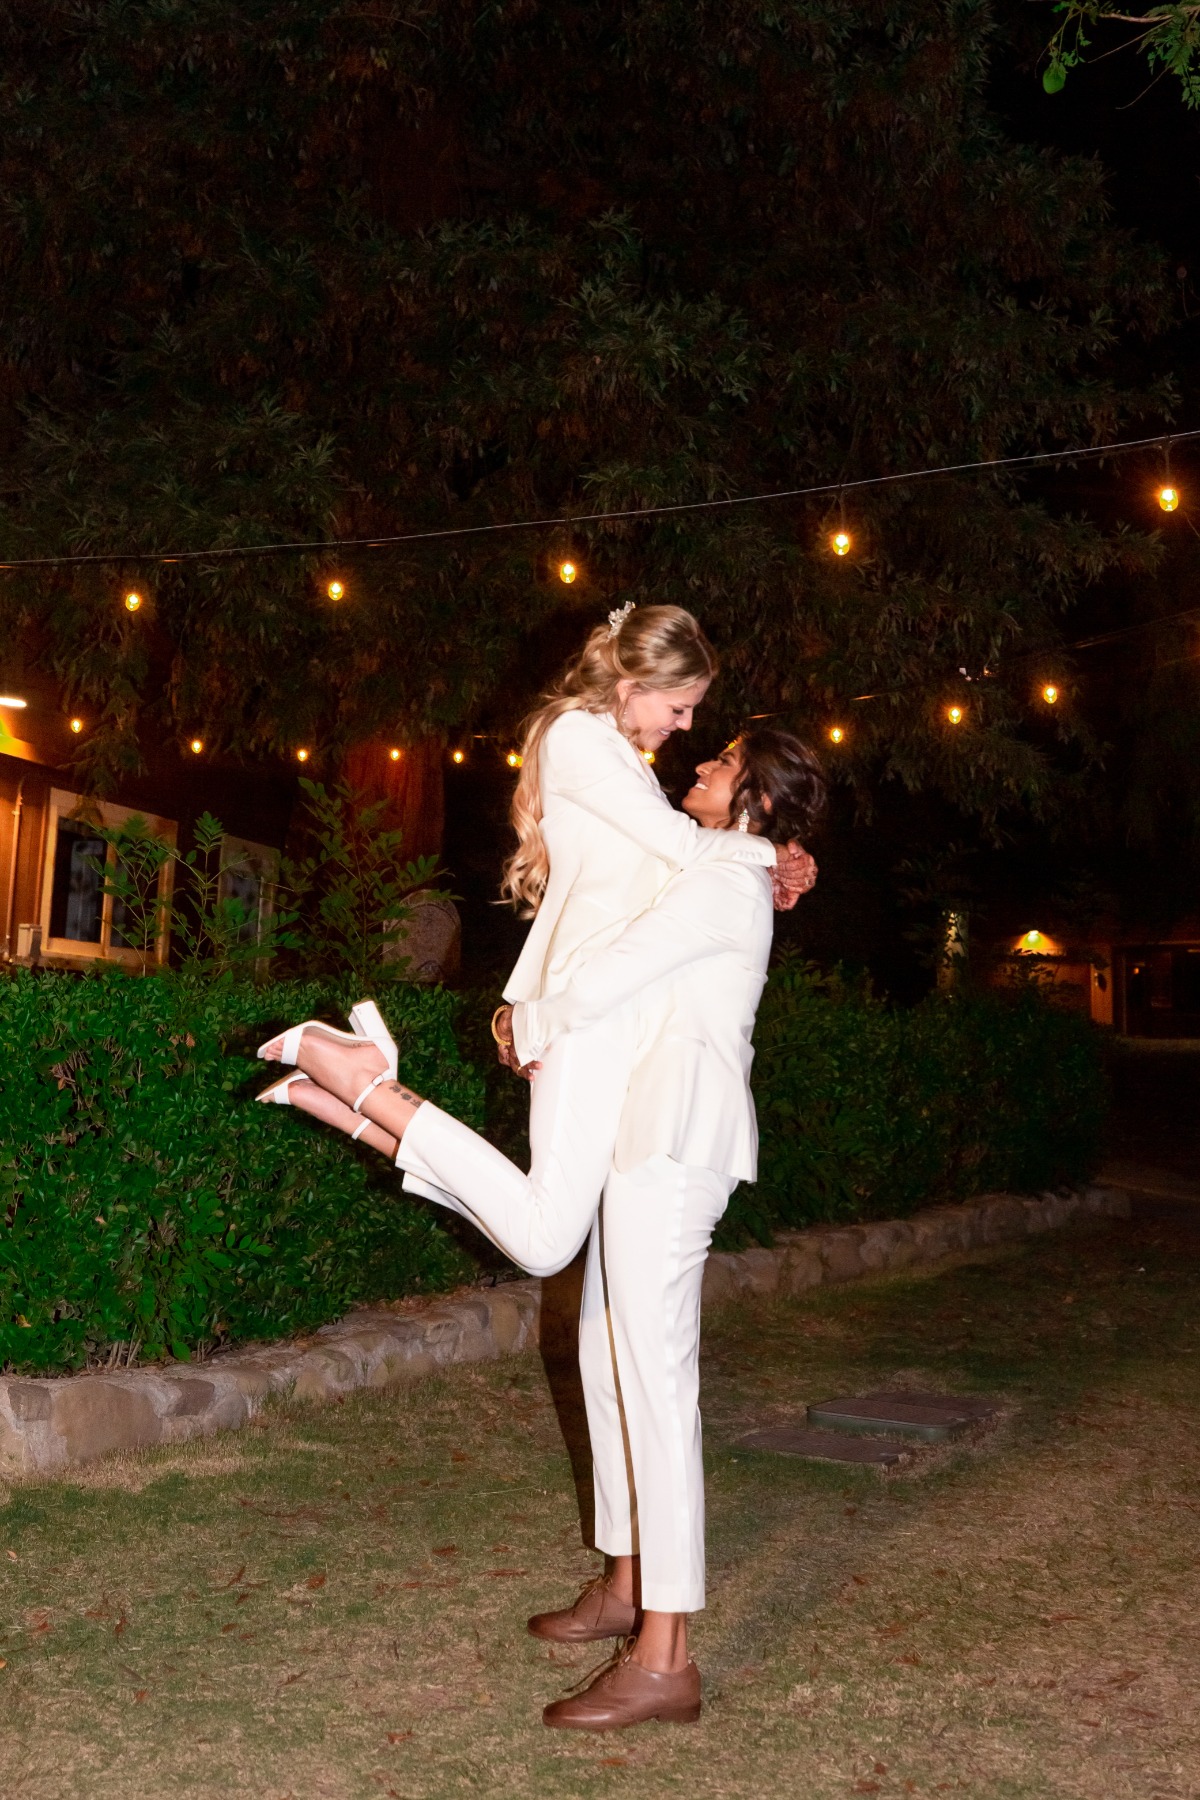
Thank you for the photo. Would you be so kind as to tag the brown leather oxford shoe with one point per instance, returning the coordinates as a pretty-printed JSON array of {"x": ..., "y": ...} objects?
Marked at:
[
  {"x": 624, "y": 1693},
  {"x": 597, "y": 1613}
]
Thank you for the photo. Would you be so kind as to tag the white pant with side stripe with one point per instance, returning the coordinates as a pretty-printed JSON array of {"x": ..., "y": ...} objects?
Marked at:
[
  {"x": 639, "y": 1333},
  {"x": 639, "y": 1356}
]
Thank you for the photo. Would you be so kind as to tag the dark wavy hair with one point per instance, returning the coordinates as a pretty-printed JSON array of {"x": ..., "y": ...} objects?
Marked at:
[{"x": 778, "y": 767}]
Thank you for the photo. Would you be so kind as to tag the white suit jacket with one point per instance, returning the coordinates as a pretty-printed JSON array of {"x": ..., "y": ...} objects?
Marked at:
[
  {"x": 693, "y": 966},
  {"x": 614, "y": 840}
]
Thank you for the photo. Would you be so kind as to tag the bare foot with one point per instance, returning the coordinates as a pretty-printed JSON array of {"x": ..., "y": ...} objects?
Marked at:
[
  {"x": 345, "y": 1070},
  {"x": 310, "y": 1097}
]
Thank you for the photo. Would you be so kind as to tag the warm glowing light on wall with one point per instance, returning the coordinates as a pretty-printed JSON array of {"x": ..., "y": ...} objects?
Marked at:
[
  {"x": 196, "y": 746},
  {"x": 955, "y": 714},
  {"x": 302, "y": 756},
  {"x": 76, "y": 726},
  {"x": 836, "y": 734},
  {"x": 458, "y": 756},
  {"x": 1168, "y": 498},
  {"x": 13, "y": 700},
  {"x": 567, "y": 572},
  {"x": 1050, "y": 693},
  {"x": 336, "y": 590},
  {"x": 132, "y": 600},
  {"x": 513, "y": 760},
  {"x": 839, "y": 543},
  {"x": 395, "y": 755}
]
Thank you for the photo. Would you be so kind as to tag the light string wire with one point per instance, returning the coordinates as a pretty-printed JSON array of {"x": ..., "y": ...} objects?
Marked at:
[{"x": 326, "y": 545}]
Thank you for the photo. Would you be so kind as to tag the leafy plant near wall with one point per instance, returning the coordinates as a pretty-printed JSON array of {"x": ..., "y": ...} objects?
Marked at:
[{"x": 335, "y": 912}]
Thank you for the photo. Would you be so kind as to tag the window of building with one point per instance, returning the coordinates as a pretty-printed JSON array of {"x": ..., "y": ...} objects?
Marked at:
[
  {"x": 80, "y": 922},
  {"x": 250, "y": 875}
]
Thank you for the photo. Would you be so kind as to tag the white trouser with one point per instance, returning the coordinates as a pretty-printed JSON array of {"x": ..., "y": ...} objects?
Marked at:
[
  {"x": 639, "y": 1356},
  {"x": 539, "y": 1219}
]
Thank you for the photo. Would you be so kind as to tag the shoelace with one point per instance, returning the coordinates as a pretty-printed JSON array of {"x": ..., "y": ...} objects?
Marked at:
[{"x": 611, "y": 1663}]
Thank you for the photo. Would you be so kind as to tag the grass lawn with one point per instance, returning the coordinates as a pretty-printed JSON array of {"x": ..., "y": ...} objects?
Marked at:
[{"x": 332, "y": 1603}]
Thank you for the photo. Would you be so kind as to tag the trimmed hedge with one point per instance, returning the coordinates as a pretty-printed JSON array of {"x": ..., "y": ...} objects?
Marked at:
[
  {"x": 867, "y": 1111},
  {"x": 145, "y": 1198}
]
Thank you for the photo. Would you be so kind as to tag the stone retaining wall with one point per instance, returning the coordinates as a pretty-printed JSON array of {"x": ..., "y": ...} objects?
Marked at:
[{"x": 49, "y": 1423}]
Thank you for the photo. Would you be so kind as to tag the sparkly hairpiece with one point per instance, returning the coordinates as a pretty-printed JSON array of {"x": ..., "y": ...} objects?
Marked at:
[{"x": 617, "y": 618}]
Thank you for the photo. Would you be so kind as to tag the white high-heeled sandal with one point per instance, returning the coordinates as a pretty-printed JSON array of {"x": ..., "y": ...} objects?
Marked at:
[
  {"x": 367, "y": 1022},
  {"x": 277, "y": 1093}
]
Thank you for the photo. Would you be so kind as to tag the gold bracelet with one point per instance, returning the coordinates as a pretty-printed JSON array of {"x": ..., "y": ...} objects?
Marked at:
[{"x": 505, "y": 1043}]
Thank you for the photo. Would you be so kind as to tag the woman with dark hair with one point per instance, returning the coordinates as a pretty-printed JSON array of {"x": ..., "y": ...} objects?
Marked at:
[{"x": 684, "y": 978}]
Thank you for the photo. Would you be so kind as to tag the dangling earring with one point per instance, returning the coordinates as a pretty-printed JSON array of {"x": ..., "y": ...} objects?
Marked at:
[{"x": 744, "y": 819}]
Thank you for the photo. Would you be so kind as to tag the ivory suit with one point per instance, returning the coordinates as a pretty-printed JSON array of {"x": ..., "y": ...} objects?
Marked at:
[
  {"x": 690, "y": 971},
  {"x": 614, "y": 841}
]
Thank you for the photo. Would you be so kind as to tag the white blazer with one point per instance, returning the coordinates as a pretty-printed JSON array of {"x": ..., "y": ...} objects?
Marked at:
[
  {"x": 614, "y": 840},
  {"x": 693, "y": 967}
]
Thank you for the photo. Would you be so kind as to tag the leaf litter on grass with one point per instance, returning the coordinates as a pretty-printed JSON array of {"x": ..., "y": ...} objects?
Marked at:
[{"x": 1015, "y": 1623}]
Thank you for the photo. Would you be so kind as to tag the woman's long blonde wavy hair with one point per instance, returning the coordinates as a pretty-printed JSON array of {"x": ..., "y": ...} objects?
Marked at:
[{"x": 657, "y": 647}]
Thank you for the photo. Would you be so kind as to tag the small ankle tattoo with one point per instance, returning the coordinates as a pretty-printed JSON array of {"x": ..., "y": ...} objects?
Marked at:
[{"x": 397, "y": 1088}]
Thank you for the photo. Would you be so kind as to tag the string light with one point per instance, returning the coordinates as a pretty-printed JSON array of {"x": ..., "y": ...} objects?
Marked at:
[
  {"x": 12, "y": 700},
  {"x": 1050, "y": 693},
  {"x": 839, "y": 543},
  {"x": 1168, "y": 498},
  {"x": 648, "y": 756},
  {"x": 132, "y": 600},
  {"x": 567, "y": 572},
  {"x": 458, "y": 756},
  {"x": 336, "y": 590},
  {"x": 395, "y": 755},
  {"x": 954, "y": 714},
  {"x": 302, "y": 756},
  {"x": 513, "y": 760},
  {"x": 836, "y": 734},
  {"x": 76, "y": 726},
  {"x": 196, "y": 746}
]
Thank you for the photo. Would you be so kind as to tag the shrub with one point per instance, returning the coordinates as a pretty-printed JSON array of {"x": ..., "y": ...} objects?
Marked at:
[
  {"x": 867, "y": 1111},
  {"x": 147, "y": 1200}
]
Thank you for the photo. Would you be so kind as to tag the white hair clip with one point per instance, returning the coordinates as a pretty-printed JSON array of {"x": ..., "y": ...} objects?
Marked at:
[{"x": 617, "y": 618}]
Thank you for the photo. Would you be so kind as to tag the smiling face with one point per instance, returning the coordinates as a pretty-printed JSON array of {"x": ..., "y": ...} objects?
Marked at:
[
  {"x": 710, "y": 800},
  {"x": 650, "y": 715}
]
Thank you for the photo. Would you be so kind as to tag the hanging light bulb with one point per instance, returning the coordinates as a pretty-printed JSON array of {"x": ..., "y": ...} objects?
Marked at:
[
  {"x": 1168, "y": 498},
  {"x": 567, "y": 572},
  {"x": 395, "y": 755},
  {"x": 836, "y": 734},
  {"x": 458, "y": 756},
  {"x": 514, "y": 760},
  {"x": 77, "y": 726},
  {"x": 839, "y": 543},
  {"x": 132, "y": 600},
  {"x": 196, "y": 746},
  {"x": 302, "y": 756},
  {"x": 955, "y": 714},
  {"x": 1050, "y": 693},
  {"x": 336, "y": 590}
]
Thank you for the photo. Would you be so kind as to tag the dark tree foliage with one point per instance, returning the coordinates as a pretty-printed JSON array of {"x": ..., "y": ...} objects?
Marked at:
[{"x": 303, "y": 268}]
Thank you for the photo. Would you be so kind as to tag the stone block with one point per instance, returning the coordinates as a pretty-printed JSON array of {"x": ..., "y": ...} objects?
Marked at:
[
  {"x": 759, "y": 1270},
  {"x": 932, "y": 1236},
  {"x": 841, "y": 1254},
  {"x": 323, "y": 1374},
  {"x": 29, "y": 1400},
  {"x": 508, "y": 1324},
  {"x": 189, "y": 1395},
  {"x": 721, "y": 1279},
  {"x": 801, "y": 1267},
  {"x": 1107, "y": 1202},
  {"x": 92, "y": 1415},
  {"x": 1001, "y": 1219},
  {"x": 887, "y": 1244}
]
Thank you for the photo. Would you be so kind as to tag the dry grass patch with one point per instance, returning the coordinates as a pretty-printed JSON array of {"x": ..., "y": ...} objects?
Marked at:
[{"x": 333, "y": 1604}]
